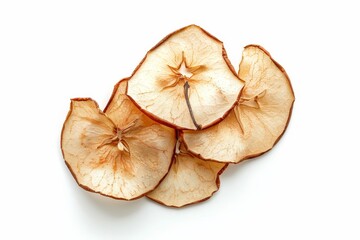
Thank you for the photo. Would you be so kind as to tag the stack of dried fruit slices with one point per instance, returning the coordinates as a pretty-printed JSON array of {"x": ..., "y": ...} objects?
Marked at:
[{"x": 172, "y": 128}]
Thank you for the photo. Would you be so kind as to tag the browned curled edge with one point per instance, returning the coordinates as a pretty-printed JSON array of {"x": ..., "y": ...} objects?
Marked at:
[
  {"x": 166, "y": 123},
  {"x": 68, "y": 115},
  {"x": 199, "y": 201},
  {"x": 69, "y": 167},
  {"x": 275, "y": 62},
  {"x": 280, "y": 136},
  {"x": 116, "y": 86}
]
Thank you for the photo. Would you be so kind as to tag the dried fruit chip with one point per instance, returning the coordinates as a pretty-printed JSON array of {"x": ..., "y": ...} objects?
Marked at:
[
  {"x": 186, "y": 81},
  {"x": 259, "y": 119},
  {"x": 121, "y": 154},
  {"x": 190, "y": 180}
]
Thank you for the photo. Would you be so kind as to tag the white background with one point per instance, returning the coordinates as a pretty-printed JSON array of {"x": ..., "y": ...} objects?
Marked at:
[{"x": 307, "y": 187}]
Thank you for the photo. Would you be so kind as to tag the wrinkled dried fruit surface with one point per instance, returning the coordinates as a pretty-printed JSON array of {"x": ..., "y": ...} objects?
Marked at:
[
  {"x": 190, "y": 180},
  {"x": 120, "y": 153},
  {"x": 260, "y": 117},
  {"x": 186, "y": 81}
]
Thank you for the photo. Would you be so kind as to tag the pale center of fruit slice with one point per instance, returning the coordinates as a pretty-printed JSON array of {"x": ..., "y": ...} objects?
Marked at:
[
  {"x": 183, "y": 74},
  {"x": 122, "y": 145},
  {"x": 187, "y": 74},
  {"x": 184, "y": 71}
]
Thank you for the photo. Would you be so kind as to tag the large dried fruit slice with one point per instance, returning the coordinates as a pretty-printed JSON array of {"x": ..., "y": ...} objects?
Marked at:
[
  {"x": 120, "y": 153},
  {"x": 186, "y": 81},
  {"x": 259, "y": 119},
  {"x": 190, "y": 180}
]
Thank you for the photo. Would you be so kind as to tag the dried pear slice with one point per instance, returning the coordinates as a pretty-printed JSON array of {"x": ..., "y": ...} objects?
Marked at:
[
  {"x": 259, "y": 119},
  {"x": 120, "y": 153},
  {"x": 186, "y": 80},
  {"x": 190, "y": 180}
]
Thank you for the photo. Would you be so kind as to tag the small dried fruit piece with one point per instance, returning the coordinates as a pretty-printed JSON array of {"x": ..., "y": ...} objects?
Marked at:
[
  {"x": 190, "y": 180},
  {"x": 186, "y": 81},
  {"x": 120, "y": 153},
  {"x": 258, "y": 120}
]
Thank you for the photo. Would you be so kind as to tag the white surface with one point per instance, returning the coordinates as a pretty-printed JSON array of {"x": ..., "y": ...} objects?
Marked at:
[{"x": 307, "y": 187}]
